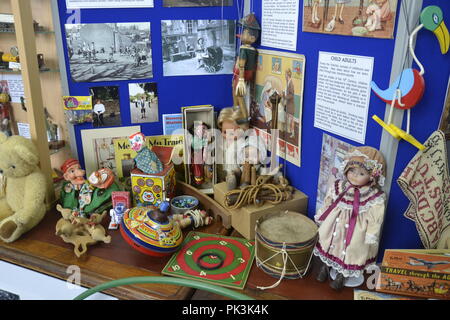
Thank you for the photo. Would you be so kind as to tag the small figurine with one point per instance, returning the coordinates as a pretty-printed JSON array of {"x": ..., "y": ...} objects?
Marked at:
[
  {"x": 146, "y": 160},
  {"x": 81, "y": 231},
  {"x": 245, "y": 67},
  {"x": 195, "y": 218},
  {"x": 74, "y": 176},
  {"x": 86, "y": 196},
  {"x": 200, "y": 159},
  {"x": 121, "y": 203},
  {"x": 351, "y": 218},
  {"x": 5, "y": 118}
]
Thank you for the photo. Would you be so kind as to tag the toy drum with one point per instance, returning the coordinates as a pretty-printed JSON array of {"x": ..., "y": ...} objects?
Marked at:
[{"x": 284, "y": 244}]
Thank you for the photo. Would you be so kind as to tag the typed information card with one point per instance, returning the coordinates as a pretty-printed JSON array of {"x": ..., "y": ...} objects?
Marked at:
[
  {"x": 343, "y": 94},
  {"x": 280, "y": 24}
]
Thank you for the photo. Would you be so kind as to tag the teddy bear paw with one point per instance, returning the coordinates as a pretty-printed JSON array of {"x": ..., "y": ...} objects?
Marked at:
[{"x": 9, "y": 231}]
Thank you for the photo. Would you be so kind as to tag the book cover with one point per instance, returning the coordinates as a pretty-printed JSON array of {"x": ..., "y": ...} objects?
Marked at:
[{"x": 417, "y": 273}]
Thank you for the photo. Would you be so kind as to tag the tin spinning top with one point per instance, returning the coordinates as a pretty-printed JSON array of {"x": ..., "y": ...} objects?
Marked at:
[{"x": 150, "y": 231}]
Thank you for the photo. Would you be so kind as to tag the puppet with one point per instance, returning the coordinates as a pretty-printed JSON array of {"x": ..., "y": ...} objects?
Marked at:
[{"x": 245, "y": 67}]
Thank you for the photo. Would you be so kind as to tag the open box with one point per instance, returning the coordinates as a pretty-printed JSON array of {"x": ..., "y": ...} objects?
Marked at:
[{"x": 191, "y": 115}]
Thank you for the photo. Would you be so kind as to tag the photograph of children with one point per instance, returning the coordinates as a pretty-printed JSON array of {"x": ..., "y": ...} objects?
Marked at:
[
  {"x": 109, "y": 51},
  {"x": 362, "y": 18},
  {"x": 143, "y": 102},
  {"x": 198, "y": 47},
  {"x": 333, "y": 153},
  {"x": 196, "y": 3},
  {"x": 106, "y": 110},
  {"x": 276, "y": 75}
]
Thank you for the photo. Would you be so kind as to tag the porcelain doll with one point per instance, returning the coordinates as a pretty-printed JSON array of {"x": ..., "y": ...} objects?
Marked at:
[
  {"x": 351, "y": 218},
  {"x": 245, "y": 67}
]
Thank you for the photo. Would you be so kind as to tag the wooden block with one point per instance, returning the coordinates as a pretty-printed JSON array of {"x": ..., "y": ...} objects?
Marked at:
[{"x": 244, "y": 220}]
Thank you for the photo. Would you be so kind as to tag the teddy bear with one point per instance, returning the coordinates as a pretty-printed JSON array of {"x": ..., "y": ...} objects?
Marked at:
[{"x": 22, "y": 193}]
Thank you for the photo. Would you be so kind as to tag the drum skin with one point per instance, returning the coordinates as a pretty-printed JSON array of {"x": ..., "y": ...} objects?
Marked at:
[{"x": 299, "y": 235}]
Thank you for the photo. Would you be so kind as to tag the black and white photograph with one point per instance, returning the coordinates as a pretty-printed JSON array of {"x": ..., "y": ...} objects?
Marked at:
[
  {"x": 197, "y": 3},
  {"x": 143, "y": 102},
  {"x": 106, "y": 106},
  {"x": 198, "y": 47},
  {"x": 109, "y": 51}
]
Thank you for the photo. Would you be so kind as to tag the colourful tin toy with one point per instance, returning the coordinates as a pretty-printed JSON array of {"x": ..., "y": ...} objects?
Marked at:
[{"x": 150, "y": 231}]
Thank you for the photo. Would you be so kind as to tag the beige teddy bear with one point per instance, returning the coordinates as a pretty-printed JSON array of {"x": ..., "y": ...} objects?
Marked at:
[{"x": 22, "y": 196}]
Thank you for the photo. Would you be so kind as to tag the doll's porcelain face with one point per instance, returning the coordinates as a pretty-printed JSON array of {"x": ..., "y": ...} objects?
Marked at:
[
  {"x": 358, "y": 176},
  {"x": 231, "y": 130}
]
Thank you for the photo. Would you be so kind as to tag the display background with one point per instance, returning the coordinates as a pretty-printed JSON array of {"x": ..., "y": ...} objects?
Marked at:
[{"x": 175, "y": 92}]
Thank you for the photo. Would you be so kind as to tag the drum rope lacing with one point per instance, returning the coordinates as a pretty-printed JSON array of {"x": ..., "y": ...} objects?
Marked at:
[{"x": 285, "y": 256}]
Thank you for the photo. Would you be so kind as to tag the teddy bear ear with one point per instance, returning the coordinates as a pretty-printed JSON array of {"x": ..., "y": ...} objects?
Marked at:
[
  {"x": 3, "y": 137},
  {"x": 26, "y": 155}
]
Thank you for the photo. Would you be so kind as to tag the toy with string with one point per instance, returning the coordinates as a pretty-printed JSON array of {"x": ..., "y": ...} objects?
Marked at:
[
  {"x": 407, "y": 91},
  {"x": 195, "y": 218}
]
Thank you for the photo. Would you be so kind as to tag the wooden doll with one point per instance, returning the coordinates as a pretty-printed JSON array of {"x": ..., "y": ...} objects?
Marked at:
[
  {"x": 245, "y": 67},
  {"x": 351, "y": 218}
]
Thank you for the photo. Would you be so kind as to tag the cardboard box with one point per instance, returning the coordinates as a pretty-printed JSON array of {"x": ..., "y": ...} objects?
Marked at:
[
  {"x": 419, "y": 273},
  {"x": 204, "y": 114},
  {"x": 244, "y": 220}
]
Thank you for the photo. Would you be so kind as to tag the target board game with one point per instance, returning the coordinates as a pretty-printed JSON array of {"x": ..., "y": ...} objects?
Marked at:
[{"x": 218, "y": 260}]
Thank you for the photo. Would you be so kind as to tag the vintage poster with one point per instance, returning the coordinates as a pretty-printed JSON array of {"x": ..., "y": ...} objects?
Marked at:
[
  {"x": 361, "y": 18},
  {"x": 283, "y": 73},
  {"x": 343, "y": 94},
  {"x": 280, "y": 24},
  {"x": 198, "y": 47},
  {"x": 171, "y": 123},
  {"x": 98, "y": 148},
  {"x": 78, "y": 109},
  {"x": 143, "y": 102},
  {"x": 426, "y": 183},
  {"x": 124, "y": 155},
  {"x": 93, "y": 4},
  {"x": 331, "y": 158},
  {"x": 100, "y": 52}
]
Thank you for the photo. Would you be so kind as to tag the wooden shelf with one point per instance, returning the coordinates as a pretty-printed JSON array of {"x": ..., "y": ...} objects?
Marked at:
[
  {"x": 19, "y": 72},
  {"x": 36, "y": 32}
]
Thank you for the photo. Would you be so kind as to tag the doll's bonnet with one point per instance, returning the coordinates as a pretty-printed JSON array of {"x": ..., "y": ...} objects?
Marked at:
[{"x": 368, "y": 158}]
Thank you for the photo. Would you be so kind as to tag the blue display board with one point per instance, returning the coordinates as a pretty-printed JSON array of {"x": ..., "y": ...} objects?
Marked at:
[{"x": 175, "y": 92}]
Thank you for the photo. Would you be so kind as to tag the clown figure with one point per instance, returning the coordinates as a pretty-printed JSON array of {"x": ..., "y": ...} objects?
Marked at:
[{"x": 351, "y": 218}]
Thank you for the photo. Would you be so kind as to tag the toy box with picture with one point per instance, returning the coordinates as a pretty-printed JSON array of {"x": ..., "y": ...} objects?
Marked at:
[
  {"x": 150, "y": 189},
  {"x": 199, "y": 146}
]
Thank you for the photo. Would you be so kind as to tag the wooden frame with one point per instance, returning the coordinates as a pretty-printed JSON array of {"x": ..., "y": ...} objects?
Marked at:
[{"x": 445, "y": 119}]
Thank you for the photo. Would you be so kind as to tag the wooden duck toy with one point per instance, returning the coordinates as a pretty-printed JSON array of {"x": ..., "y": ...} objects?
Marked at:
[{"x": 407, "y": 91}]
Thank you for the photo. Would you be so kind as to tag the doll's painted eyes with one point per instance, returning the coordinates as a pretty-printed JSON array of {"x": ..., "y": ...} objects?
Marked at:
[{"x": 12, "y": 167}]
